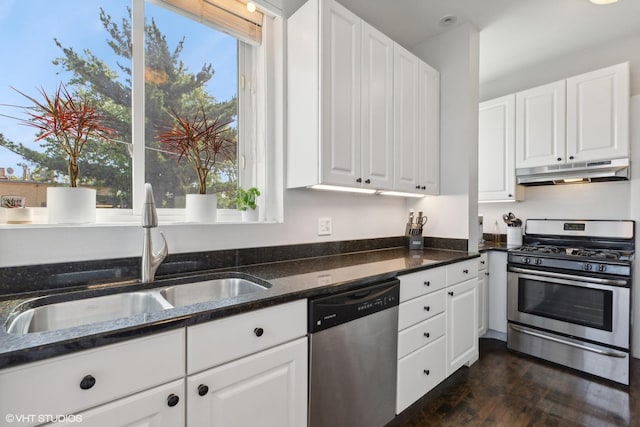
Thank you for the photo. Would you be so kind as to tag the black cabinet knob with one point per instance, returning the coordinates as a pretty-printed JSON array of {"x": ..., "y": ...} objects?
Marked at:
[
  {"x": 172, "y": 400},
  {"x": 559, "y": 159},
  {"x": 427, "y": 334},
  {"x": 368, "y": 181},
  {"x": 427, "y": 283},
  {"x": 427, "y": 308},
  {"x": 509, "y": 195},
  {"x": 203, "y": 390},
  {"x": 87, "y": 382},
  {"x": 417, "y": 187},
  {"x": 258, "y": 332},
  {"x": 482, "y": 262},
  {"x": 570, "y": 157},
  {"x": 465, "y": 271},
  {"x": 359, "y": 180},
  {"x": 451, "y": 293},
  {"x": 426, "y": 372}
]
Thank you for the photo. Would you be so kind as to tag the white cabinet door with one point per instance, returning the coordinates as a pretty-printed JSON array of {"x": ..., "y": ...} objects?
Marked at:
[
  {"x": 540, "y": 126},
  {"x": 406, "y": 102},
  {"x": 429, "y": 137},
  {"x": 462, "y": 324},
  {"x": 483, "y": 302},
  {"x": 598, "y": 114},
  {"x": 498, "y": 291},
  {"x": 377, "y": 109},
  {"x": 267, "y": 389},
  {"x": 340, "y": 34},
  {"x": 159, "y": 407},
  {"x": 496, "y": 149}
]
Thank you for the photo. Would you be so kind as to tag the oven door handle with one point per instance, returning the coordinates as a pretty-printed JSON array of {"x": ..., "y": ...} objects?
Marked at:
[
  {"x": 597, "y": 280},
  {"x": 569, "y": 343}
]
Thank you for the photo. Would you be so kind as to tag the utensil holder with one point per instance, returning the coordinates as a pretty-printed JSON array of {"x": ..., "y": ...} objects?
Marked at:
[
  {"x": 514, "y": 237},
  {"x": 416, "y": 242}
]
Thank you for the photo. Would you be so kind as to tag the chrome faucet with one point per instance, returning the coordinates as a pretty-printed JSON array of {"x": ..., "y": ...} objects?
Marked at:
[{"x": 150, "y": 260}]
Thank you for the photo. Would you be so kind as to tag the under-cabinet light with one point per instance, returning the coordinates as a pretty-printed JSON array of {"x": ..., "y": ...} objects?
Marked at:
[
  {"x": 345, "y": 189},
  {"x": 603, "y": 1},
  {"x": 399, "y": 194}
]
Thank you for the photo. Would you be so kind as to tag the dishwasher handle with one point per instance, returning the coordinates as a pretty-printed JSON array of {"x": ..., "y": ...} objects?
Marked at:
[{"x": 343, "y": 307}]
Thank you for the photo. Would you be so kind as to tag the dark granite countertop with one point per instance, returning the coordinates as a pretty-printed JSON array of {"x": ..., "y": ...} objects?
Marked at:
[{"x": 290, "y": 280}]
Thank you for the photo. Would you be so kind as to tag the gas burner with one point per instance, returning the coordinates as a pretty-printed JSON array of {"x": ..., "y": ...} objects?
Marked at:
[
  {"x": 542, "y": 249},
  {"x": 595, "y": 253}
]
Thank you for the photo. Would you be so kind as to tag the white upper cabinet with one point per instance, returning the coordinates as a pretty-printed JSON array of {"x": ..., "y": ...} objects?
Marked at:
[
  {"x": 377, "y": 110},
  {"x": 340, "y": 34},
  {"x": 406, "y": 120},
  {"x": 357, "y": 116},
  {"x": 429, "y": 169},
  {"x": 584, "y": 118},
  {"x": 598, "y": 114},
  {"x": 496, "y": 149},
  {"x": 540, "y": 126}
]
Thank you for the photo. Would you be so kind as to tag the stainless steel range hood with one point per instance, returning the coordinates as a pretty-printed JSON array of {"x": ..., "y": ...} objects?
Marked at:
[{"x": 597, "y": 171}]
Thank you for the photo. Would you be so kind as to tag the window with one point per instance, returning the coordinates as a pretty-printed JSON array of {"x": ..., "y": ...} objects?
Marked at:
[{"x": 190, "y": 61}]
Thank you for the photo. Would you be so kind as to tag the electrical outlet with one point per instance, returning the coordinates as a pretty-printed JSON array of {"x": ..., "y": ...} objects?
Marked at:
[{"x": 324, "y": 226}]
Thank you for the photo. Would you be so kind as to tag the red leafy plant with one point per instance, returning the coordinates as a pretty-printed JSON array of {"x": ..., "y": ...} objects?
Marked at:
[
  {"x": 202, "y": 140},
  {"x": 68, "y": 119}
]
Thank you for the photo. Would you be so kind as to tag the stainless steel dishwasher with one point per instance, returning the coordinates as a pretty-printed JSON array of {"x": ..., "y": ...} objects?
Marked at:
[{"x": 353, "y": 357}]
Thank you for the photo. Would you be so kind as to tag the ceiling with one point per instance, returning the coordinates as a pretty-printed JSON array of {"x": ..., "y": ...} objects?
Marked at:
[{"x": 514, "y": 34}]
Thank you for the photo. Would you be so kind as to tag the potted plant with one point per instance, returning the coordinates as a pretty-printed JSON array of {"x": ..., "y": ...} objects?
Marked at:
[
  {"x": 73, "y": 122},
  {"x": 203, "y": 141},
  {"x": 246, "y": 203}
]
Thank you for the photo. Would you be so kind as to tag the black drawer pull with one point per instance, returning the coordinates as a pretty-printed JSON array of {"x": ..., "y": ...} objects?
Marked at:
[
  {"x": 258, "y": 331},
  {"x": 87, "y": 382},
  {"x": 451, "y": 293},
  {"x": 427, "y": 308},
  {"x": 203, "y": 390},
  {"x": 172, "y": 400},
  {"x": 427, "y": 283},
  {"x": 465, "y": 271},
  {"x": 367, "y": 181},
  {"x": 427, "y": 334},
  {"x": 426, "y": 372}
]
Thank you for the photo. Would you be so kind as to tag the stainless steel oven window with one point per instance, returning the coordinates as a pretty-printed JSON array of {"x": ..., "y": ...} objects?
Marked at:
[{"x": 574, "y": 304}]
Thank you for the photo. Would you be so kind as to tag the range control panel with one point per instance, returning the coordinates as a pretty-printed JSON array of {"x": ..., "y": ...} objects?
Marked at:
[{"x": 344, "y": 307}]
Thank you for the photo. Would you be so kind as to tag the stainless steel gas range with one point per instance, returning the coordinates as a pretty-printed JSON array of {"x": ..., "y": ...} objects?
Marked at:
[{"x": 569, "y": 294}]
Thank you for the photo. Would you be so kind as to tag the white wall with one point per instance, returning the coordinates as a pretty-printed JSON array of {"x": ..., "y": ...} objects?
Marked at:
[
  {"x": 354, "y": 217},
  {"x": 455, "y": 54}
]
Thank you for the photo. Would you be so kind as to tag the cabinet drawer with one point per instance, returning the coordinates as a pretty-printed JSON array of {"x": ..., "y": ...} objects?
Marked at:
[
  {"x": 419, "y": 372},
  {"x": 421, "y": 283},
  {"x": 214, "y": 343},
  {"x": 461, "y": 271},
  {"x": 419, "y": 335},
  {"x": 54, "y": 386},
  {"x": 419, "y": 309},
  {"x": 483, "y": 261}
]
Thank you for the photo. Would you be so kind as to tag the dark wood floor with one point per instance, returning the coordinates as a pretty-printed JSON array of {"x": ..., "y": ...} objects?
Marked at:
[{"x": 512, "y": 390}]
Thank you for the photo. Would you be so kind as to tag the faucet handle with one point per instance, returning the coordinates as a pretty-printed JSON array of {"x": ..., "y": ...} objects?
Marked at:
[{"x": 162, "y": 252}]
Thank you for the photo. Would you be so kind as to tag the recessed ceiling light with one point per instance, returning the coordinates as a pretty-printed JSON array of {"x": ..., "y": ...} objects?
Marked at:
[
  {"x": 251, "y": 6},
  {"x": 603, "y": 1},
  {"x": 445, "y": 21}
]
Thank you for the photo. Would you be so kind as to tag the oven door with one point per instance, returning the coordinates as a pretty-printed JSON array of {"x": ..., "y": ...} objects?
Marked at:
[{"x": 570, "y": 305}]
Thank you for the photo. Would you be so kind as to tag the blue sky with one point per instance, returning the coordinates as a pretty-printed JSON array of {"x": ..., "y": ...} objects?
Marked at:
[{"x": 27, "y": 30}]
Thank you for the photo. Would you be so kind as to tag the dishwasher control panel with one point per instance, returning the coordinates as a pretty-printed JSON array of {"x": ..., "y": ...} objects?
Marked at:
[{"x": 343, "y": 307}]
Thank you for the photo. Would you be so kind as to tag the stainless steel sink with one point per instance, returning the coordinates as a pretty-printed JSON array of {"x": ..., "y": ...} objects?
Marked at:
[
  {"x": 210, "y": 290},
  {"x": 51, "y": 317}
]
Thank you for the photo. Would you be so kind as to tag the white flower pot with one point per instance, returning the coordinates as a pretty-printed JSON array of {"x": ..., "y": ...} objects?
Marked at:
[
  {"x": 69, "y": 205},
  {"x": 201, "y": 208},
  {"x": 251, "y": 215}
]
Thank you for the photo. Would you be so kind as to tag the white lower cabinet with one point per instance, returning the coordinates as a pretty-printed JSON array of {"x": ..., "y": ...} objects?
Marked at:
[
  {"x": 159, "y": 407},
  {"x": 498, "y": 292},
  {"x": 74, "y": 383},
  {"x": 419, "y": 372},
  {"x": 268, "y": 389},
  {"x": 437, "y": 327},
  {"x": 462, "y": 324}
]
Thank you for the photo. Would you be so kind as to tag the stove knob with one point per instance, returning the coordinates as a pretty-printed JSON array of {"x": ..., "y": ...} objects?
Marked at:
[
  {"x": 588, "y": 267},
  {"x": 538, "y": 261},
  {"x": 602, "y": 268},
  {"x": 526, "y": 260}
]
